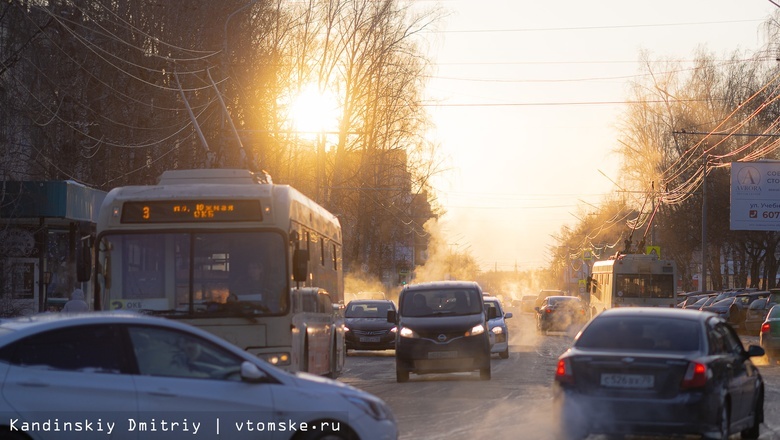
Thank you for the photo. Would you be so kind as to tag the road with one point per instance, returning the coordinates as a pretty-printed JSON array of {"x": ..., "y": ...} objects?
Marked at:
[{"x": 515, "y": 404}]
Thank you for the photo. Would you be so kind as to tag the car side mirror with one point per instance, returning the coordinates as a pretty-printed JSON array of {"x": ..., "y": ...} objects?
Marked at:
[
  {"x": 755, "y": 351},
  {"x": 507, "y": 315},
  {"x": 536, "y": 309},
  {"x": 391, "y": 316},
  {"x": 250, "y": 373}
]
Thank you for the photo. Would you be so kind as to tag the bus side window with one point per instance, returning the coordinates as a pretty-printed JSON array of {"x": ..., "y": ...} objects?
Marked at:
[{"x": 324, "y": 302}]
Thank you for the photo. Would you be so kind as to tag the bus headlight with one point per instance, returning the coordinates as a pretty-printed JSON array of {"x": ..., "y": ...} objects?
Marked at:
[{"x": 277, "y": 359}]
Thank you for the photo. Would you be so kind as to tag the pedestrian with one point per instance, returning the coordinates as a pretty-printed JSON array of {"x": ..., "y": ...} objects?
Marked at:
[{"x": 76, "y": 303}]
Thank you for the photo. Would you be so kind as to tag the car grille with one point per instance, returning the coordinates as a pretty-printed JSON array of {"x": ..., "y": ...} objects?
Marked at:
[{"x": 369, "y": 332}]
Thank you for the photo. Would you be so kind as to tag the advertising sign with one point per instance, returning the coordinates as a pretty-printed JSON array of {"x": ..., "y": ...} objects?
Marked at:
[{"x": 755, "y": 196}]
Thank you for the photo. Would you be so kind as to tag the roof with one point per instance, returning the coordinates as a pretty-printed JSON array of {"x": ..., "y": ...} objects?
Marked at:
[
  {"x": 19, "y": 327},
  {"x": 657, "y": 312},
  {"x": 444, "y": 285},
  {"x": 51, "y": 199},
  {"x": 370, "y": 301}
]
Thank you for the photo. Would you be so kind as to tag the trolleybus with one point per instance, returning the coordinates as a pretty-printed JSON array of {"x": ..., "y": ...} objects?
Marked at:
[
  {"x": 258, "y": 264},
  {"x": 632, "y": 280}
]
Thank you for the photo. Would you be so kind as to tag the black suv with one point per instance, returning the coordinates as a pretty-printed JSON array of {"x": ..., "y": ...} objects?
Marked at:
[{"x": 442, "y": 328}]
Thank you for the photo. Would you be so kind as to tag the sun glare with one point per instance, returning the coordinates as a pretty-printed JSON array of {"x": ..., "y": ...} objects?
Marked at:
[{"x": 314, "y": 112}]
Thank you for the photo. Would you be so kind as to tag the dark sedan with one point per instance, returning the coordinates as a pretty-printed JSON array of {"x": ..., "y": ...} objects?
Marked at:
[
  {"x": 658, "y": 371},
  {"x": 367, "y": 326},
  {"x": 559, "y": 313}
]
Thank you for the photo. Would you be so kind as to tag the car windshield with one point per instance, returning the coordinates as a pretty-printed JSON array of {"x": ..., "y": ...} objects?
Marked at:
[
  {"x": 641, "y": 333},
  {"x": 563, "y": 302},
  {"x": 759, "y": 303},
  {"x": 494, "y": 305},
  {"x": 774, "y": 313},
  {"x": 723, "y": 303},
  {"x": 441, "y": 301},
  {"x": 367, "y": 310}
]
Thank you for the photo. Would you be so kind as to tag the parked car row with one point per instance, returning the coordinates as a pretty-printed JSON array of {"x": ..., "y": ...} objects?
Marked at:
[{"x": 735, "y": 306}]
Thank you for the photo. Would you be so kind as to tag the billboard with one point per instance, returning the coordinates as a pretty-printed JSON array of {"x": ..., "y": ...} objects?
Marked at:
[{"x": 755, "y": 196}]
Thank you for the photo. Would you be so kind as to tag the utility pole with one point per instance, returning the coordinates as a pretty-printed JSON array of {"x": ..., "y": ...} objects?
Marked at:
[{"x": 704, "y": 227}]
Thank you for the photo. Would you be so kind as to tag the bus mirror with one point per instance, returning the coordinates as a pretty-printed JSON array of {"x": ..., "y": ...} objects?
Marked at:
[
  {"x": 84, "y": 261},
  {"x": 300, "y": 265}
]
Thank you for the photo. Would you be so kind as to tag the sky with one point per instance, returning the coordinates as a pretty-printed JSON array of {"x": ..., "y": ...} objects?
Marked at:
[{"x": 526, "y": 97}]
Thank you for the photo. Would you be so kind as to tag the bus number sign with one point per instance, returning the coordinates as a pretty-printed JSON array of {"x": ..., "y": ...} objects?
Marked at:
[{"x": 195, "y": 211}]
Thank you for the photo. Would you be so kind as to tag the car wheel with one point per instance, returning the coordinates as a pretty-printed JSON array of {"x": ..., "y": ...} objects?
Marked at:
[
  {"x": 484, "y": 373},
  {"x": 723, "y": 424},
  {"x": 755, "y": 430},
  {"x": 401, "y": 375},
  {"x": 504, "y": 354}
]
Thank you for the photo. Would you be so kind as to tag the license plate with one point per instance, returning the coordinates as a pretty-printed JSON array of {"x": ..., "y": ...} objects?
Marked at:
[
  {"x": 369, "y": 339},
  {"x": 640, "y": 381},
  {"x": 442, "y": 354}
]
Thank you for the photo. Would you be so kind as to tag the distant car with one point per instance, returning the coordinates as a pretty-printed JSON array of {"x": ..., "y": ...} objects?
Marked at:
[
  {"x": 499, "y": 332},
  {"x": 527, "y": 303},
  {"x": 756, "y": 315},
  {"x": 701, "y": 302},
  {"x": 658, "y": 371},
  {"x": 769, "y": 336},
  {"x": 559, "y": 313},
  {"x": 366, "y": 325},
  {"x": 117, "y": 367},
  {"x": 691, "y": 299},
  {"x": 743, "y": 302},
  {"x": 724, "y": 308},
  {"x": 544, "y": 293}
]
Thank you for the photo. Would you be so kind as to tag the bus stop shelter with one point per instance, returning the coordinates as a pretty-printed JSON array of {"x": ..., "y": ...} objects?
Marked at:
[{"x": 43, "y": 226}]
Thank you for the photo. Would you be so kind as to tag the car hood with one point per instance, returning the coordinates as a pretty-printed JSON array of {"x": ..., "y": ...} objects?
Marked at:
[
  {"x": 368, "y": 324},
  {"x": 496, "y": 321}
]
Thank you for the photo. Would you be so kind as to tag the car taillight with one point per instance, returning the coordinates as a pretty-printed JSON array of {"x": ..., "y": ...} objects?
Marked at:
[
  {"x": 695, "y": 376},
  {"x": 765, "y": 327},
  {"x": 547, "y": 310},
  {"x": 563, "y": 372}
]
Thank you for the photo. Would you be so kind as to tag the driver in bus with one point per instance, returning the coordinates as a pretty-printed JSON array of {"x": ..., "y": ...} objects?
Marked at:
[{"x": 256, "y": 285}]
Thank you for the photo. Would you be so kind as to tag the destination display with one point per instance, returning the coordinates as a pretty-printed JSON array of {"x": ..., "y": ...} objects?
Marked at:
[{"x": 183, "y": 211}]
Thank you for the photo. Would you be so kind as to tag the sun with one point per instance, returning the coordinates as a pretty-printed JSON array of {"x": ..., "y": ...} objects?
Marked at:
[{"x": 314, "y": 112}]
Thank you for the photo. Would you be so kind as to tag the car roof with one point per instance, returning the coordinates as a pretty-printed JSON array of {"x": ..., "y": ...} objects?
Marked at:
[
  {"x": 657, "y": 312},
  {"x": 491, "y": 298},
  {"x": 443, "y": 285},
  {"x": 370, "y": 301},
  {"x": 14, "y": 328},
  {"x": 562, "y": 297},
  {"x": 761, "y": 293}
]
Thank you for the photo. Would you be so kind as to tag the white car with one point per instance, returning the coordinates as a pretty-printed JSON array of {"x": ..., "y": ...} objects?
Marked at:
[
  {"x": 499, "y": 332},
  {"x": 129, "y": 376}
]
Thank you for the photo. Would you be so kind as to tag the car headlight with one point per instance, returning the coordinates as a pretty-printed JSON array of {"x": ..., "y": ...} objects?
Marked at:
[
  {"x": 394, "y": 330},
  {"x": 377, "y": 409},
  {"x": 497, "y": 330},
  {"x": 476, "y": 330},
  {"x": 406, "y": 332}
]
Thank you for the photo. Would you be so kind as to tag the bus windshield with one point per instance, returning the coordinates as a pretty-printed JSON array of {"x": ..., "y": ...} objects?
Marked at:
[
  {"x": 645, "y": 285},
  {"x": 207, "y": 274}
]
